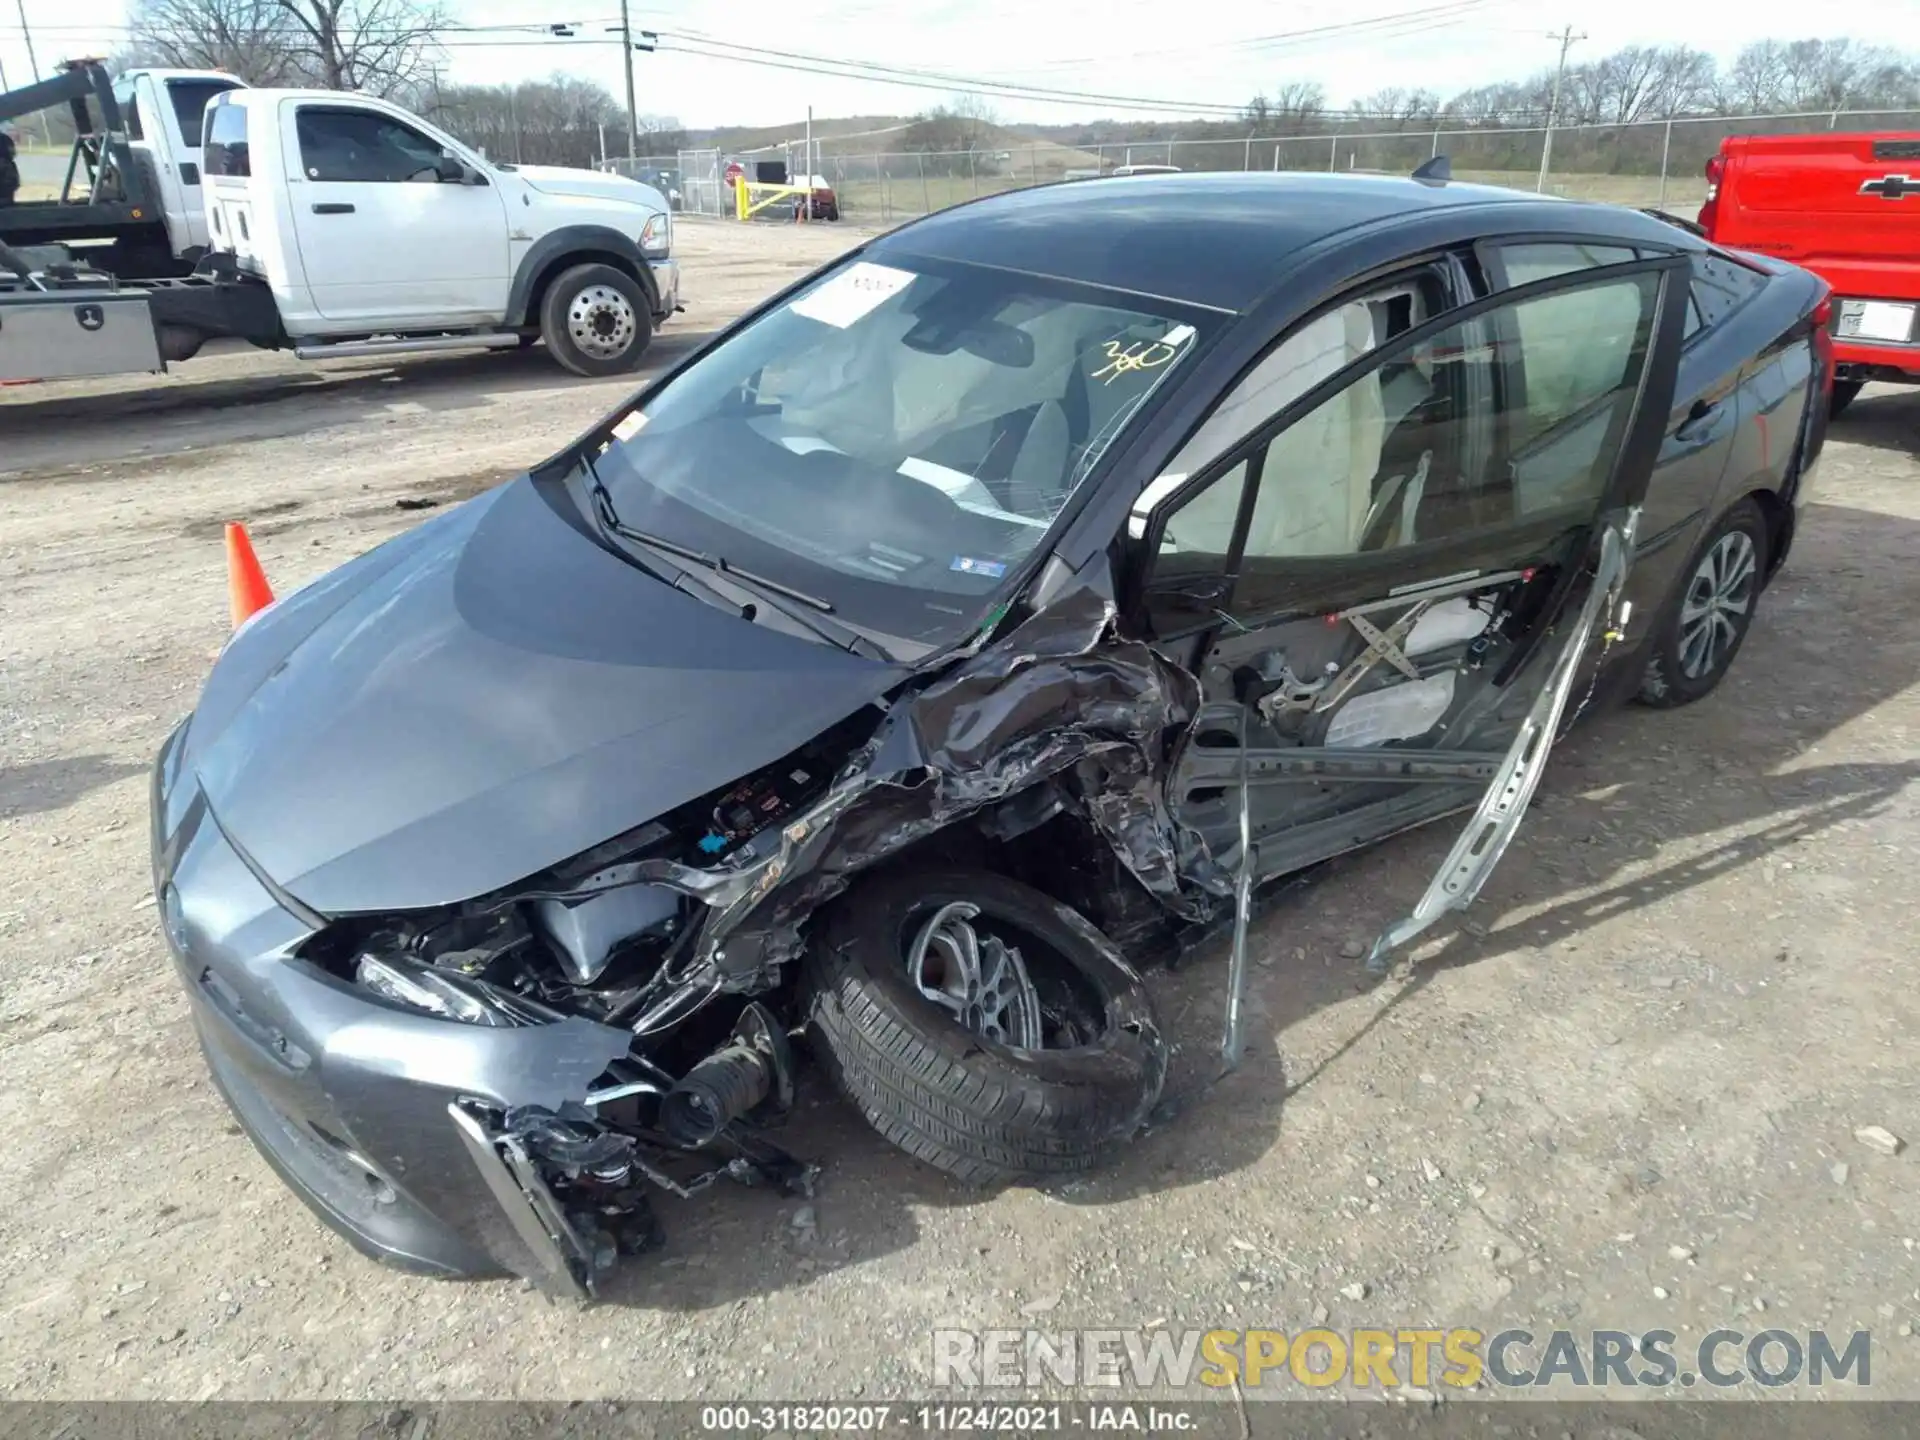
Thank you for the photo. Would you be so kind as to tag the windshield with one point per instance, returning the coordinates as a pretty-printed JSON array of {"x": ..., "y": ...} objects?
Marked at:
[{"x": 895, "y": 441}]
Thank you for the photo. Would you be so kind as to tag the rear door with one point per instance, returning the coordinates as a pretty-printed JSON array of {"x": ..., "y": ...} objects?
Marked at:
[
  {"x": 1846, "y": 207},
  {"x": 1703, "y": 425},
  {"x": 1369, "y": 582},
  {"x": 384, "y": 240}
]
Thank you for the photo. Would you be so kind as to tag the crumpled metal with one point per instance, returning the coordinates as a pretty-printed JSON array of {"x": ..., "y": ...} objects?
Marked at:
[{"x": 1062, "y": 696}]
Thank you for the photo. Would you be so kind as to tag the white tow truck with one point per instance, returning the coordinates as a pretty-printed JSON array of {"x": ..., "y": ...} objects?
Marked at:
[{"x": 337, "y": 224}]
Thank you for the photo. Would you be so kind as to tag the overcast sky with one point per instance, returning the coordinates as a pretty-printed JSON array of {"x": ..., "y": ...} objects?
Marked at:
[{"x": 1142, "y": 48}]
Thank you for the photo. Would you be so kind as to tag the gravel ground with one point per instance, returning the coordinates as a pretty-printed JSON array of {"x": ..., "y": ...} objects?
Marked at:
[{"x": 1624, "y": 1094}]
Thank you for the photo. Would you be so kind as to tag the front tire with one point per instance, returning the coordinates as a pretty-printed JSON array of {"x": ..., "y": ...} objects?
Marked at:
[
  {"x": 1702, "y": 627},
  {"x": 596, "y": 320},
  {"x": 956, "y": 1083}
]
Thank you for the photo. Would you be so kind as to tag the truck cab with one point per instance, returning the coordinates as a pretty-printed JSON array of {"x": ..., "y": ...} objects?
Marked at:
[
  {"x": 1847, "y": 207},
  {"x": 162, "y": 112},
  {"x": 369, "y": 223}
]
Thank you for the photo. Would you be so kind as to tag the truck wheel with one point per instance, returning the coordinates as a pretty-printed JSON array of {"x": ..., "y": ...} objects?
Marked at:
[
  {"x": 596, "y": 320},
  {"x": 1844, "y": 392},
  {"x": 981, "y": 1026}
]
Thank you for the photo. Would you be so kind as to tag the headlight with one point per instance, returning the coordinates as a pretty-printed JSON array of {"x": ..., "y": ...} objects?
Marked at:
[
  {"x": 451, "y": 997},
  {"x": 656, "y": 236}
]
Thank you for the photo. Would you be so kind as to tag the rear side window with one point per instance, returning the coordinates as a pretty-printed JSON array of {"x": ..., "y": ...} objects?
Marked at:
[
  {"x": 226, "y": 141},
  {"x": 1721, "y": 286},
  {"x": 190, "y": 100},
  {"x": 1528, "y": 263},
  {"x": 359, "y": 145}
]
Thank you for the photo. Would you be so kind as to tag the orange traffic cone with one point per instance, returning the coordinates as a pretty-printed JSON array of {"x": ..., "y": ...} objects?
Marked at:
[{"x": 247, "y": 589}]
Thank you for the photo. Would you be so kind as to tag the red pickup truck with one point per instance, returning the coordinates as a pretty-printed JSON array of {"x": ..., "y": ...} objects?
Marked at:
[{"x": 1846, "y": 207}]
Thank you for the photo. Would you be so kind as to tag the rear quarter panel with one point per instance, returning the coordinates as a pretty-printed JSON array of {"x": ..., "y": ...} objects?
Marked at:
[{"x": 1779, "y": 432}]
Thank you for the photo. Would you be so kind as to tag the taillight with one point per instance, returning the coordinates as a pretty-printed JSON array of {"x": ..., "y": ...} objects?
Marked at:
[
  {"x": 1716, "y": 167},
  {"x": 1823, "y": 339}
]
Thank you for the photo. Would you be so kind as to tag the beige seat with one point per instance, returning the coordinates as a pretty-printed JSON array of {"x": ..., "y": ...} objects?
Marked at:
[{"x": 1317, "y": 481}]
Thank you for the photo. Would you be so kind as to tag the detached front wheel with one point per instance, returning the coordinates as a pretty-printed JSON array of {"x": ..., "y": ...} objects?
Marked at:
[
  {"x": 981, "y": 1026},
  {"x": 596, "y": 320}
]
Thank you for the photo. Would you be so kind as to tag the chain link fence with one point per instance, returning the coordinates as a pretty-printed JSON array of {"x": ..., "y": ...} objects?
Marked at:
[{"x": 1657, "y": 164}]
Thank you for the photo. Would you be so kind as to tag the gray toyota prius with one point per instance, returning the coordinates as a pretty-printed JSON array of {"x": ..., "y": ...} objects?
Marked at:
[{"x": 981, "y": 620}]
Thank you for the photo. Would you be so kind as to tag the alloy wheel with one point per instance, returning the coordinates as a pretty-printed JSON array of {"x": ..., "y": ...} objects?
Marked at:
[
  {"x": 978, "y": 978},
  {"x": 1718, "y": 602}
]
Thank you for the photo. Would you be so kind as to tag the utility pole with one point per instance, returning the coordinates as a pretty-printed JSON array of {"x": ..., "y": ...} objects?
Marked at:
[
  {"x": 626, "y": 55},
  {"x": 1566, "y": 38},
  {"x": 33, "y": 63},
  {"x": 628, "y": 45}
]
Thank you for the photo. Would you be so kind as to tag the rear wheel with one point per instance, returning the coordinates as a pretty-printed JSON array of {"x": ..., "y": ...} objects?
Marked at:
[
  {"x": 1705, "y": 623},
  {"x": 982, "y": 1026},
  {"x": 1844, "y": 392},
  {"x": 596, "y": 320}
]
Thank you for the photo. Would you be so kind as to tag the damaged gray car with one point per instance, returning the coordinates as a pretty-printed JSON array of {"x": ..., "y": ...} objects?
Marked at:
[{"x": 982, "y": 620}]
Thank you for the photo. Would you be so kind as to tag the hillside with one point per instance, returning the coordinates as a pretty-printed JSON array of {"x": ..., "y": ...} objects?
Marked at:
[{"x": 881, "y": 134}]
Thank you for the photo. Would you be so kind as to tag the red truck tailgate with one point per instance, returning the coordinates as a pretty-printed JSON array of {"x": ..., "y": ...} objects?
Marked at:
[{"x": 1846, "y": 207}]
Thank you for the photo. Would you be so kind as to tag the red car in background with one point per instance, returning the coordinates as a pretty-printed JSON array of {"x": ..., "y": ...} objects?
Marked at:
[{"x": 1846, "y": 207}]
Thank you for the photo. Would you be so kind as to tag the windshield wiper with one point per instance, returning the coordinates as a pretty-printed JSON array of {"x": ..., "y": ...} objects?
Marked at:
[
  {"x": 840, "y": 636},
  {"x": 608, "y": 521}
]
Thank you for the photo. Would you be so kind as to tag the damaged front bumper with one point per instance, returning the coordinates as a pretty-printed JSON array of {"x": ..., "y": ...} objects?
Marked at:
[{"x": 391, "y": 1126}]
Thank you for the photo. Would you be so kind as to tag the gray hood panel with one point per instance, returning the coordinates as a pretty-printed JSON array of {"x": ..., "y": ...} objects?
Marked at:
[{"x": 484, "y": 698}]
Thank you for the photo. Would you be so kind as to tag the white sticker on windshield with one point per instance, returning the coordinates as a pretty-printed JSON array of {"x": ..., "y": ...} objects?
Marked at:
[
  {"x": 852, "y": 293},
  {"x": 629, "y": 425}
]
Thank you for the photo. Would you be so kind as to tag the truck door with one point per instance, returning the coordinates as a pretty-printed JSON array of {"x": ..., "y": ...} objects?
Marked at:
[{"x": 387, "y": 235}]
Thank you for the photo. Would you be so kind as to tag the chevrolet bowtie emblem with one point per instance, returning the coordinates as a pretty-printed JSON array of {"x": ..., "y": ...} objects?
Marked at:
[{"x": 1891, "y": 187}]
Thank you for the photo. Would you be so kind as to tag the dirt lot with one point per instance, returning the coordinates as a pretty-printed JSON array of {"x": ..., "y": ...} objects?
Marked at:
[{"x": 1624, "y": 1095}]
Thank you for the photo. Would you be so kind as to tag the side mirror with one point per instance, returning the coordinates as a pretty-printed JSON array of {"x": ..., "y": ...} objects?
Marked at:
[{"x": 449, "y": 169}]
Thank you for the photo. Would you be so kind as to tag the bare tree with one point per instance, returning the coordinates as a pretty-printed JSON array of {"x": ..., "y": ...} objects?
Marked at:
[
  {"x": 248, "y": 38},
  {"x": 1298, "y": 104},
  {"x": 556, "y": 121},
  {"x": 381, "y": 46},
  {"x": 1787, "y": 75},
  {"x": 1397, "y": 106}
]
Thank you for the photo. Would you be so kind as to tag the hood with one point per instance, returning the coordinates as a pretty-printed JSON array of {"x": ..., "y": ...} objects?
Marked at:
[
  {"x": 485, "y": 697},
  {"x": 590, "y": 185}
]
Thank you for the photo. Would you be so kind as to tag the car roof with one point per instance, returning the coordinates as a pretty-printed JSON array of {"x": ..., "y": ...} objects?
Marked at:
[{"x": 1219, "y": 240}]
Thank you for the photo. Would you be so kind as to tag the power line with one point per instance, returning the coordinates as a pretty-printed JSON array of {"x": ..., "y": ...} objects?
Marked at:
[
  {"x": 1377, "y": 24},
  {"x": 922, "y": 79},
  {"x": 546, "y": 34}
]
